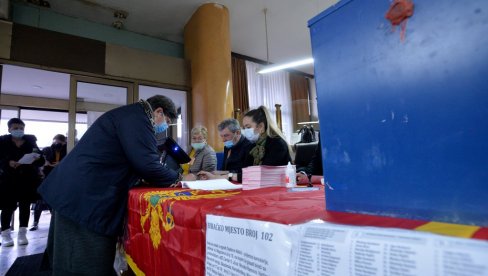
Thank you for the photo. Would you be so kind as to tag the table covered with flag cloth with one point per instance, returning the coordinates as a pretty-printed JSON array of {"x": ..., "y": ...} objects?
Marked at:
[{"x": 166, "y": 227}]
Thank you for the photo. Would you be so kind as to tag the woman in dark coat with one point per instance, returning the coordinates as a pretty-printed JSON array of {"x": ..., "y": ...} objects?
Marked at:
[
  {"x": 270, "y": 146},
  {"x": 18, "y": 180}
]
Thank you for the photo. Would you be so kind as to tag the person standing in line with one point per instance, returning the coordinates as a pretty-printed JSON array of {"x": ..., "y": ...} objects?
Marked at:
[
  {"x": 88, "y": 190},
  {"x": 53, "y": 155},
  {"x": 18, "y": 180}
]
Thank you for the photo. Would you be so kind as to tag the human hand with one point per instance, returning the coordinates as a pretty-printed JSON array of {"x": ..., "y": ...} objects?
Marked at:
[
  {"x": 203, "y": 175},
  {"x": 189, "y": 177},
  {"x": 302, "y": 178},
  {"x": 175, "y": 185},
  {"x": 13, "y": 164}
]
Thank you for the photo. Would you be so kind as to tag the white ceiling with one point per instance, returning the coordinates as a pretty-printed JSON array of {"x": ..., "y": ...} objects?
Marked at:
[
  {"x": 24, "y": 81},
  {"x": 288, "y": 34},
  {"x": 287, "y": 31}
]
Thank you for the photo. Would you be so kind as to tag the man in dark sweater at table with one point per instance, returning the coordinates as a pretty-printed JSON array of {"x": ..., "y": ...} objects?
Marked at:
[{"x": 236, "y": 148}]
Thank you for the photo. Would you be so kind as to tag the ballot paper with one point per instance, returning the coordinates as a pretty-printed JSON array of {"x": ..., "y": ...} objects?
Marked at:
[
  {"x": 209, "y": 185},
  {"x": 255, "y": 177},
  {"x": 28, "y": 158}
]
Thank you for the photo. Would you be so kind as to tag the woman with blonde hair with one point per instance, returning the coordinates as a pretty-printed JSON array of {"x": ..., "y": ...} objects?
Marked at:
[
  {"x": 270, "y": 146},
  {"x": 203, "y": 157}
]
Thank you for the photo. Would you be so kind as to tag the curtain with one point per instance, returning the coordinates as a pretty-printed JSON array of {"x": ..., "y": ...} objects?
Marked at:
[
  {"x": 239, "y": 85},
  {"x": 268, "y": 90},
  {"x": 299, "y": 98}
]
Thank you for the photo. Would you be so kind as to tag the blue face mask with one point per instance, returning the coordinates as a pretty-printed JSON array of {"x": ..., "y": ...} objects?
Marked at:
[
  {"x": 228, "y": 144},
  {"x": 17, "y": 133},
  {"x": 161, "y": 127},
  {"x": 198, "y": 146}
]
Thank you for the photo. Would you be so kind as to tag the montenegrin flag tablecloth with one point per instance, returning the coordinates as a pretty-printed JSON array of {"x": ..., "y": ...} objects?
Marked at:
[{"x": 166, "y": 227}]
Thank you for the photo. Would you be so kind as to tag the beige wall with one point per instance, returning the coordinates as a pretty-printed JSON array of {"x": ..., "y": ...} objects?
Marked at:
[
  {"x": 81, "y": 55},
  {"x": 5, "y": 39},
  {"x": 136, "y": 64}
]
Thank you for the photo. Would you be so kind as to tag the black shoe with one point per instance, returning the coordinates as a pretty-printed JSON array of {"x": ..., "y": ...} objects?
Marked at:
[{"x": 34, "y": 228}]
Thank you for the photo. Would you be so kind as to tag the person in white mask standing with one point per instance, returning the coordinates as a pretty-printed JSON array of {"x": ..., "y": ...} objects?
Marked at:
[
  {"x": 19, "y": 179},
  {"x": 270, "y": 147},
  {"x": 203, "y": 157}
]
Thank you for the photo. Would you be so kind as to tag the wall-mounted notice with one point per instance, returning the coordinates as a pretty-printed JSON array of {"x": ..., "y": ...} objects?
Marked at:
[
  {"x": 329, "y": 249},
  {"x": 247, "y": 247}
]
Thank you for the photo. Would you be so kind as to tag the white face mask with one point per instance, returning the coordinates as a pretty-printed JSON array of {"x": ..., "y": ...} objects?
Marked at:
[{"x": 250, "y": 134}]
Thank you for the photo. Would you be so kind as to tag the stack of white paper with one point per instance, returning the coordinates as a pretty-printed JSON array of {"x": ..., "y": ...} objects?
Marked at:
[
  {"x": 210, "y": 185},
  {"x": 256, "y": 177}
]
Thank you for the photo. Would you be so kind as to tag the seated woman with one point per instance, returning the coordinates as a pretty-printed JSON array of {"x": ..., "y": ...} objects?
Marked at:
[
  {"x": 203, "y": 157},
  {"x": 270, "y": 146}
]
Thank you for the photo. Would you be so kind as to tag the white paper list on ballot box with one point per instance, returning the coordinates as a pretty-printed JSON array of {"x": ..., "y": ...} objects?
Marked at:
[
  {"x": 321, "y": 248},
  {"x": 329, "y": 249}
]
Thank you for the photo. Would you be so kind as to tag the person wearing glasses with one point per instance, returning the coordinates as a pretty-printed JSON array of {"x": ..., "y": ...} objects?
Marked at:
[{"x": 88, "y": 190}]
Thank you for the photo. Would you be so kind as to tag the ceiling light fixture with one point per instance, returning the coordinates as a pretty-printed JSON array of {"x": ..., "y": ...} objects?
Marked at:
[
  {"x": 273, "y": 68},
  {"x": 276, "y": 67},
  {"x": 308, "y": 123}
]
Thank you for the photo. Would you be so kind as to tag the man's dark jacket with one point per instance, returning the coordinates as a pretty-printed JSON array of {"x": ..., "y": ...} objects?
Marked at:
[
  {"x": 91, "y": 185},
  {"x": 238, "y": 154}
]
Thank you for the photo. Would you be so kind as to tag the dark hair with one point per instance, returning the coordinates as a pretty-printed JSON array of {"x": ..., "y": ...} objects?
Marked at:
[
  {"x": 262, "y": 115},
  {"x": 15, "y": 121},
  {"x": 60, "y": 137},
  {"x": 258, "y": 116},
  {"x": 231, "y": 124},
  {"x": 164, "y": 102}
]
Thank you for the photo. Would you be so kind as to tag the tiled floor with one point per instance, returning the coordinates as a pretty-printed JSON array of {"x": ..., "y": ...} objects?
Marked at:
[{"x": 37, "y": 242}]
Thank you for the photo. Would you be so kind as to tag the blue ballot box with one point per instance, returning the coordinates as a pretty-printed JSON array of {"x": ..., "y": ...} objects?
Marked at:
[{"x": 404, "y": 124}]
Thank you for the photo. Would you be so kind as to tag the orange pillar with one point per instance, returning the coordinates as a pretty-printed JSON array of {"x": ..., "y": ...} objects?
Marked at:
[{"x": 207, "y": 47}]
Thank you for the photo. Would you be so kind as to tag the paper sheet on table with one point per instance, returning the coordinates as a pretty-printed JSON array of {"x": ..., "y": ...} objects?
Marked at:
[
  {"x": 209, "y": 185},
  {"x": 28, "y": 158}
]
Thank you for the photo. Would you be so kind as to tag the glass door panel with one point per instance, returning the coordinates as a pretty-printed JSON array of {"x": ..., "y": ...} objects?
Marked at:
[
  {"x": 179, "y": 129},
  {"x": 44, "y": 124},
  {"x": 7, "y": 113},
  {"x": 90, "y": 98}
]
